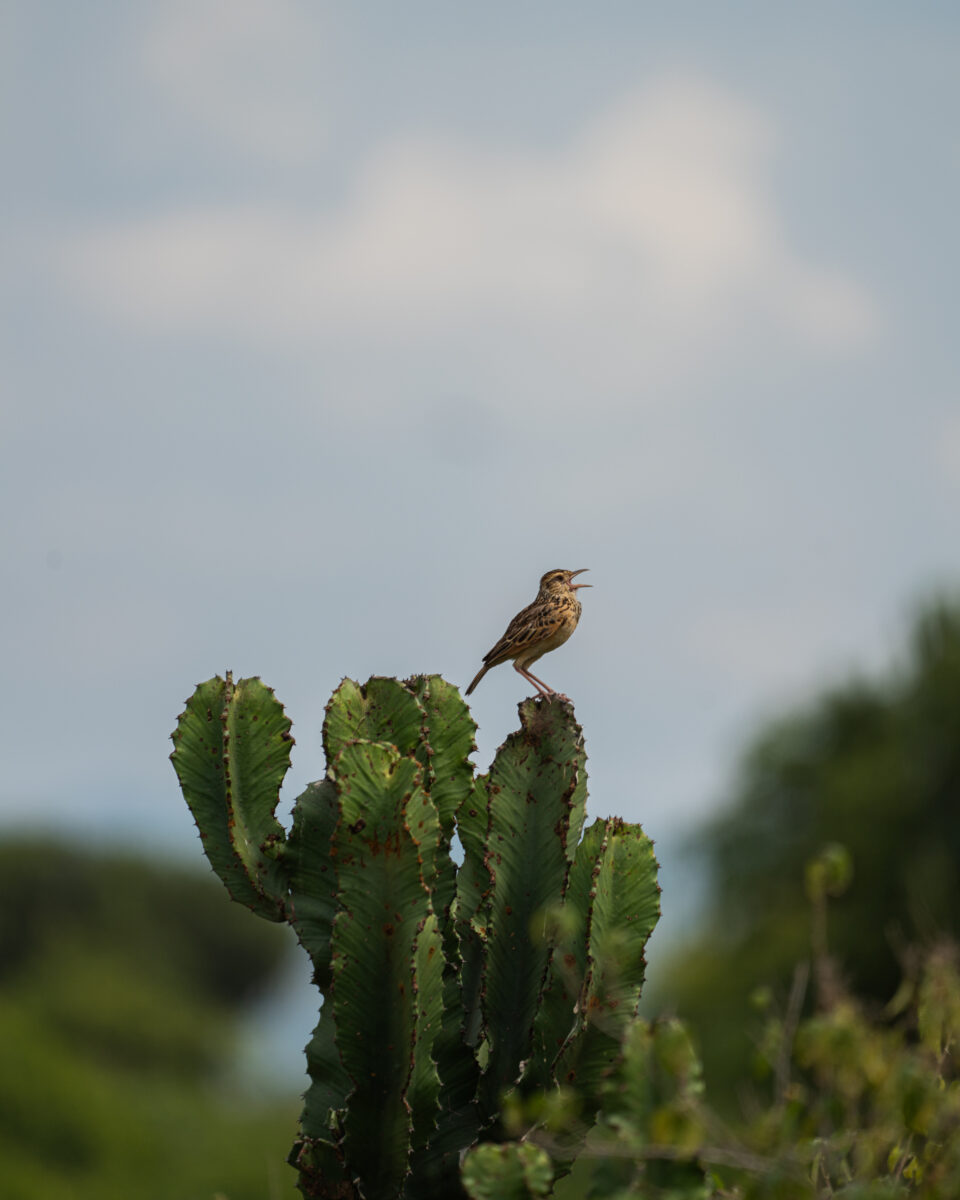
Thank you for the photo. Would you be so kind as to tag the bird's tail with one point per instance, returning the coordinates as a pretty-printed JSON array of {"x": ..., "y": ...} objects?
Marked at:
[{"x": 476, "y": 679}]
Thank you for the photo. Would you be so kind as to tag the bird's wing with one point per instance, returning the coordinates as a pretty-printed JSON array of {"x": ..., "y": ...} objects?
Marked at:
[{"x": 533, "y": 625}]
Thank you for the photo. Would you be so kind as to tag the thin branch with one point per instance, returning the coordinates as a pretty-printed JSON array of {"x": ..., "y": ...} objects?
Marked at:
[{"x": 798, "y": 990}]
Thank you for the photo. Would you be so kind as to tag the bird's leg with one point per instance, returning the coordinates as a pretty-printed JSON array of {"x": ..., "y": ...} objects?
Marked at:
[
  {"x": 543, "y": 688},
  {"x": 549, "y": 690},
  {"x": 537, "y": 683}
]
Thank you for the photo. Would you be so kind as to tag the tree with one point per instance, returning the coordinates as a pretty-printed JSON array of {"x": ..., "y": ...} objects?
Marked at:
[
  {"x": 873, "y": 764},
  {"x": 120, "y": 985}
]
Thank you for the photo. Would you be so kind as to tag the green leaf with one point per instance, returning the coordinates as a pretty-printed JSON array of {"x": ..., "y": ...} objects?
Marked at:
[{"x": 231, "y": 751}]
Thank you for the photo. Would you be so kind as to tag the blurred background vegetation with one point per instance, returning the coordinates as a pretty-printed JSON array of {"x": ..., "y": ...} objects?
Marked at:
[
  {"x": 123, "y": 981},
  {"x": 121, "y": 987},
  {"x": 872, "y": 764}
]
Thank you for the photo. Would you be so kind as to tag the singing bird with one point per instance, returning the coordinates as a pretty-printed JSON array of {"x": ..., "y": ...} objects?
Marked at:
[{"x": 541, "y": 626}]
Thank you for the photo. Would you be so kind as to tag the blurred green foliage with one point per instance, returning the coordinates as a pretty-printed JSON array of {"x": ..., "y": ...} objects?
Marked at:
[
  {"x": 852, "y": 1101},
  {"x": 121, "y": 984},
  {"x": 859, "y": 1108},
  {"x": 874, "y": 766}
]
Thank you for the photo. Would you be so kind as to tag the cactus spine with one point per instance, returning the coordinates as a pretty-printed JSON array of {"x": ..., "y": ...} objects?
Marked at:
[{"x": 445, "y": 986}]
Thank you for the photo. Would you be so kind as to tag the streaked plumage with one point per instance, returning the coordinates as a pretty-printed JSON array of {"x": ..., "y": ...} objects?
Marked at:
[{"x": 539, "y": 628}]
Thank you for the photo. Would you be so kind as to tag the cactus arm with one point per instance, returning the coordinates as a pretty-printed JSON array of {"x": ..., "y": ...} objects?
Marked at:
[
  {"x": 624, "y": 908},
  {"x": 410, "y": 717},
  {"x": 447, "y": 740},
  {"x": 423, "y": 1089},
  {"x": 445, "y": 745},
  {"x": 474, "y": 882},
  {"x": 381, "y": 710},
  {"x": 577, "y": 802},
  {"x": 444, "y": 748},
  {"x": 532, "y": 790},
  {"x": 330, "y": 1085},
  {"x": 313, "y": 875},
  {"x": 437, "y": 1172},
  {"x": 383, "y": 905},
  {"x": 231, "y": 751},
  {"x": 556, "y": 1017},
  {"x": 318, "y": 1153}
]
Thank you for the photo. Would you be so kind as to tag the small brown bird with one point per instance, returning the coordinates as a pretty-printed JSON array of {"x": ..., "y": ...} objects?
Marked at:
[{"x": 541, "y": 626}]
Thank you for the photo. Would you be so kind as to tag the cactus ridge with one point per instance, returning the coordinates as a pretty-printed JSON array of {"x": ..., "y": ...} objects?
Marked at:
[{"x": 445, "y": 985}]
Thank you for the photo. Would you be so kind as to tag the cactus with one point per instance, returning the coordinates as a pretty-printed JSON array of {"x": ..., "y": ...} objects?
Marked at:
[
  {"x": 513, "y": 1171},
  {"x": 446, "y": 987}
]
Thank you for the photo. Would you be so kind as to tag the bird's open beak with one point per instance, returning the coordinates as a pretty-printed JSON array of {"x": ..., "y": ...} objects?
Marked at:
[{"x": 574, "y": 586}]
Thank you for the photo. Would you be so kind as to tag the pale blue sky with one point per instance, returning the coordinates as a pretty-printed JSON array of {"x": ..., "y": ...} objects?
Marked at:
[{"x": 328, "y": 328}]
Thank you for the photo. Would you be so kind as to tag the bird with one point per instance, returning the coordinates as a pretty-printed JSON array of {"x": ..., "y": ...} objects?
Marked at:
[{"x": 541, "y": 626}]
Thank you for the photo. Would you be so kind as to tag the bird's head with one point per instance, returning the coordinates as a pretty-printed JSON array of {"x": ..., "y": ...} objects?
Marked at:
[{"x": 561, "y": 581}]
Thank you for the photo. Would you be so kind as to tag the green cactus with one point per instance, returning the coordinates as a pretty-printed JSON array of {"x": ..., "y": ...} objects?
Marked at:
[
  {"x": 513, "y": 1171},
  {"x": 446, "y": 987}
]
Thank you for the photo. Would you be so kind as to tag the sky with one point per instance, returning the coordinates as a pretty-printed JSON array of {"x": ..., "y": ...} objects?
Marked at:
[{"x": 328, "y": 328}]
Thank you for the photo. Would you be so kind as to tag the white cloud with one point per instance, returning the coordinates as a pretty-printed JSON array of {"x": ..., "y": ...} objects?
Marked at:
[
  {"x": 244, "y": 72},
  {"x": 652, "y": 230}
]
